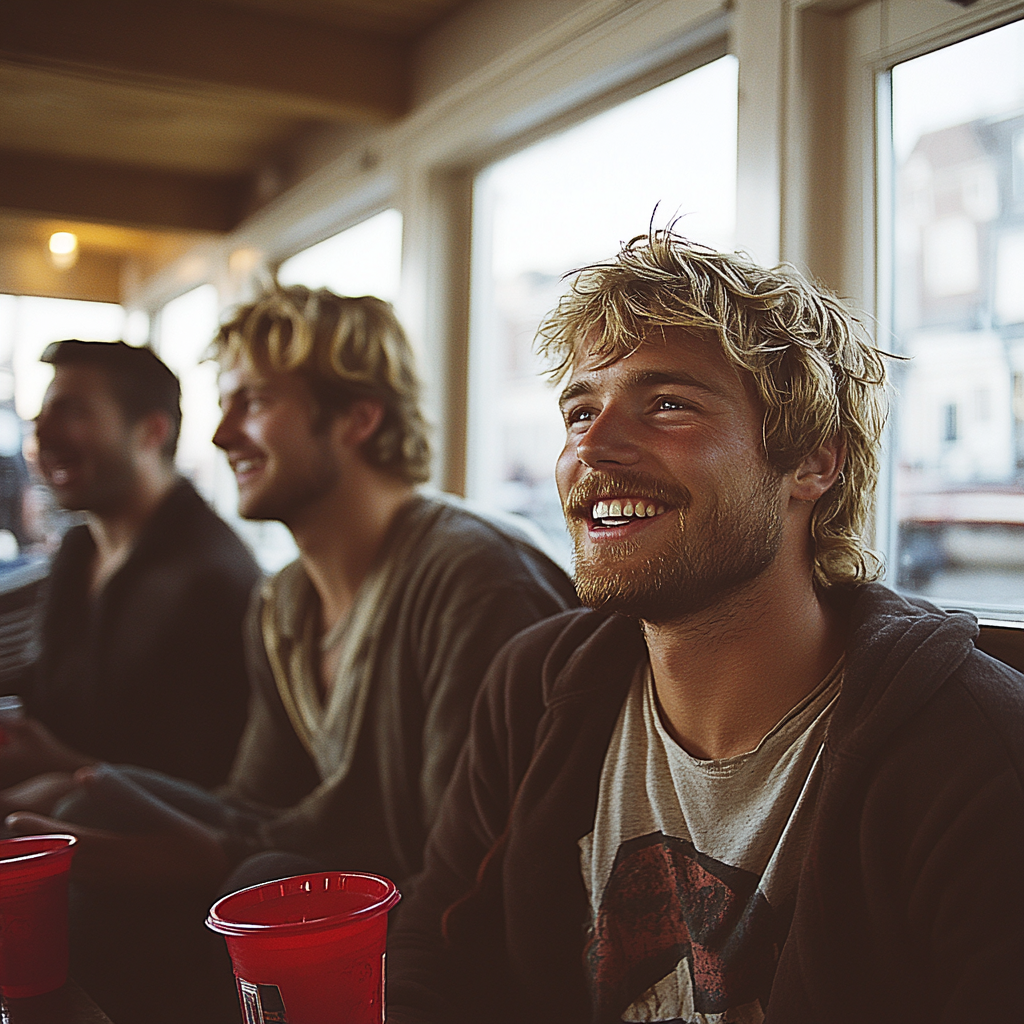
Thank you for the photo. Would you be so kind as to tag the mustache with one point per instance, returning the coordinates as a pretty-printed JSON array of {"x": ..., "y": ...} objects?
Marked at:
[{"x": 599, "y": 483}]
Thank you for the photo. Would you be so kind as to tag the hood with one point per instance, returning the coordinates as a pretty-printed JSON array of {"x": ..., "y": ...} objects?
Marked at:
[{"x": 900, "y": 652}]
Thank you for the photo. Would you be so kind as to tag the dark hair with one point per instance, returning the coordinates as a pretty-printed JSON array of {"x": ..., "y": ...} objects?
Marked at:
[
  {"x": 140, "y": 382},
  {"x": 346, "y": 348}
]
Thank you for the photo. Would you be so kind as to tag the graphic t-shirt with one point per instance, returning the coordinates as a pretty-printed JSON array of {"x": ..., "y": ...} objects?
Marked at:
[{"x": 692, "y": 865}]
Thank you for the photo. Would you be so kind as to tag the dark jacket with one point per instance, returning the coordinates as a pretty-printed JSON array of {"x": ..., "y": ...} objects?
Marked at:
[
  {"x": 910, "y": 905},
  {"x": 151, "y": 672},
  {"x": 467, "y": 585}
]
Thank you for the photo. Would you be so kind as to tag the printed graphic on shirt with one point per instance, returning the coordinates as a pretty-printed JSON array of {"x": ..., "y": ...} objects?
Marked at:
[
  {"x": 693, "y": 865},
  {"x": 668, "y": 909},
  {"x": 261, "y": 1004}
]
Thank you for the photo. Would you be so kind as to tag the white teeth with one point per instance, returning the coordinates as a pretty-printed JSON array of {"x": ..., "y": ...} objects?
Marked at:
[
  {"x": 59, "y": 476},
  {"x": 245, "y": 465},
  {"x": 625, "y": 509}
]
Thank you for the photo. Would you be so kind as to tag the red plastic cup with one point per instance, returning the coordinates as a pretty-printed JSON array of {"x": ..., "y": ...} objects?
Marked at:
[
  {"x": 34, "y": 914},
  {"x": 309, "y": 949}
]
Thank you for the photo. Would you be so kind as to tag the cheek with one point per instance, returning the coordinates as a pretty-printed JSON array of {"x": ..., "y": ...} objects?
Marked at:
[{"x": 566, "y": 469}]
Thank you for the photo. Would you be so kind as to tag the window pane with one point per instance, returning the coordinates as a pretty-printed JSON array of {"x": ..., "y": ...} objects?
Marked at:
[
  {"x": 364, "y": 260},
  {"x": 958, "y": 142},
  {"x": 560, "y": 204}
]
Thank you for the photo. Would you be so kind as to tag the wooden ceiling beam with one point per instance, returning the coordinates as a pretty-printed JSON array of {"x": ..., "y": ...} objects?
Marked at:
[
  {"x": 317, "y": 70},
  {"x": 119, "y": 194}
]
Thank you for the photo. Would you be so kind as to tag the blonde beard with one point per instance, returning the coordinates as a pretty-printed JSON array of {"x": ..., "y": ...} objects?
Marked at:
[{"x": 699, "y": 566}]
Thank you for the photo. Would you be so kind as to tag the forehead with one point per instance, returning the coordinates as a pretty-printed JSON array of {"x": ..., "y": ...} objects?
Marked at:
[
  {"x": 83, "y": 382},
  {"x": 668, "y": 351},
  {"x": 243, "y": 374}
]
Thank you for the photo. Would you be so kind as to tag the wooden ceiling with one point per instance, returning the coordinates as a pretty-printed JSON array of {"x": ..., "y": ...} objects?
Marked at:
[{"x": 161, "y": 118}]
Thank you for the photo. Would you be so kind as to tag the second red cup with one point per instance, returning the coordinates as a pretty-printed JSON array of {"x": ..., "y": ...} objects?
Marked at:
[{"x": 309, "y": 949}]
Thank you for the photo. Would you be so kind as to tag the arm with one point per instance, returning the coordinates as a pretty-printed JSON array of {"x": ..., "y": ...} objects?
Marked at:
[
  {"x": 464, "y": 637},
  {"x": 426, "y": 972}
]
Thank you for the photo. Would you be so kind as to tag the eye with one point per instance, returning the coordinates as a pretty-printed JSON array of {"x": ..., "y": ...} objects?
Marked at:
[
  {"x": 672, "y": 403},
  {"x": 579, "y": 414}
]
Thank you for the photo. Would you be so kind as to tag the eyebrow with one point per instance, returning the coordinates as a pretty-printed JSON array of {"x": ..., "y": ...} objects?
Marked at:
[{"x": 640, "y": 379}]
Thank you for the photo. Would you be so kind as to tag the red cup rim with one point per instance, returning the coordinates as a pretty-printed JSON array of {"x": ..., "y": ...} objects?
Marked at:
[
  {"x": 24, "y": 858},
  {"x": 225, "y": 926}
]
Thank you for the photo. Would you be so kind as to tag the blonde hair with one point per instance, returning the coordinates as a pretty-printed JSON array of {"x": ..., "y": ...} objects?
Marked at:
[
  {"x": 347, "y": 349},
  {"x": 816, "y": 371}
]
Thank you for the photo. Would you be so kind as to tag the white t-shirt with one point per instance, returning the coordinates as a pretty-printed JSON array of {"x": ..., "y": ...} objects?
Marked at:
[{"x": 692, "y": 865}]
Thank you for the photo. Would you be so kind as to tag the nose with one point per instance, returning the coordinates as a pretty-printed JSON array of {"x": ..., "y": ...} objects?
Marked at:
[
  {"x": 608, "y": 441},
  {"x": 227, "y": 430}
]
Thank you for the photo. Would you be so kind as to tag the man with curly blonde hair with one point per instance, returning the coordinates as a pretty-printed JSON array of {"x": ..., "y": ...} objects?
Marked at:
[
  {"x": 751, "y": 784},
  {"x": 364, "y": 654}
]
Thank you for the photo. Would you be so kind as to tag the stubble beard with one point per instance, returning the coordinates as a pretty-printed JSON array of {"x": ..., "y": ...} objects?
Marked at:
[
  {"x": 289, "y": 497},
  {"x": 702, "y": 563}
]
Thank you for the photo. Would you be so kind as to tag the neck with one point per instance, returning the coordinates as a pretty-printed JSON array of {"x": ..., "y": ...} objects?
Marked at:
[
  {"x": 116, "y": 531},
  {"x": 340, "y": 538},
  {"x": 727, "y": 675}
]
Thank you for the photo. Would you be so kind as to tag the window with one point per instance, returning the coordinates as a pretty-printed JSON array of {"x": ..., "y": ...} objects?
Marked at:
[
  {"x": 27, "y": 325},
  {"x": 958, "y": 289},
  {"x": 560, "y": 204},
  {"x": 364, "y": 260}
]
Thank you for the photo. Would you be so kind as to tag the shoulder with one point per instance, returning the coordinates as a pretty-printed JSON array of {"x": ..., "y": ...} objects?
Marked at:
[
  {"x": 462, "y": 546},
  {"x": 571, "y": 654},
  {"x": 915, "y": 679},
  {"x": 189, "y": 531},
  {"x": 457, "y": 525}
]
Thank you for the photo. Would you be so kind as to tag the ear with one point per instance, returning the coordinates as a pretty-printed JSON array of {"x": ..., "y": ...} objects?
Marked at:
[
  {"x": 361, "y": 421},
  {"x": 153, "y": 430},
  {"x": 818, "y": 471}
]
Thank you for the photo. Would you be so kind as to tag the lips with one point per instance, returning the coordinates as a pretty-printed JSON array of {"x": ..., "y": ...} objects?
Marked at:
[
  {"x": 59, "y": 468},
  {"x": 246, "y": 467}
]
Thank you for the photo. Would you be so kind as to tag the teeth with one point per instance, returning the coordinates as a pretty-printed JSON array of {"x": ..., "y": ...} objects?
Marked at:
[{"x": 625, "y": 509}]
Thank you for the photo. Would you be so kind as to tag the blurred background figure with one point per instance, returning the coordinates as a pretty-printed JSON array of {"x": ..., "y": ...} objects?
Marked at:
[{"x": 140, "y": 648}]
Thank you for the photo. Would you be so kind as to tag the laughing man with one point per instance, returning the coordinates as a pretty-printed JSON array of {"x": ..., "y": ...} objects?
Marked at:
[
  {"x": 365, "y": 654},
  {"x": 751, "y": 784}
]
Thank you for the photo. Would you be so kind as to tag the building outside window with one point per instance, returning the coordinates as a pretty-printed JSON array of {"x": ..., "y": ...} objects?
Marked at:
[{"x": 958, "y": 315}]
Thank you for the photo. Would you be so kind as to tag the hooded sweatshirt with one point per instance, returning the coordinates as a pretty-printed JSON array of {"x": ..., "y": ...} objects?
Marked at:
[{"x": 910, "y": 902}]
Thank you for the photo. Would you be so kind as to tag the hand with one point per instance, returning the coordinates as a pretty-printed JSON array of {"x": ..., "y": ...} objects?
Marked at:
[
  {"x": 39, "y": 794},
  {"x": 28, "y": 749},
  {"x": 160, "y": 845}
]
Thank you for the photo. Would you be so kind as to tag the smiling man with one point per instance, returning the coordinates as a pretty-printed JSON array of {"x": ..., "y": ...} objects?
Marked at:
[
  {"x": 751, "y": 784},
  {"x": 141, "y": 657},
  {"x": 364, "y": 655}
]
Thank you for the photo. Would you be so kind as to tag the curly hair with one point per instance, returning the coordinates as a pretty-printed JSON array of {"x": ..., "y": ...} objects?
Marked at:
[
  {"x": 346, "y": 349},
  {"x": 813, "y": 365}
]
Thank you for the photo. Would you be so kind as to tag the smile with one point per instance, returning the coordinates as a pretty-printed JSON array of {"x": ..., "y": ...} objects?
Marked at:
[
  {"x": 243, "y": 467},
  {"x": 619, "y": 511}
]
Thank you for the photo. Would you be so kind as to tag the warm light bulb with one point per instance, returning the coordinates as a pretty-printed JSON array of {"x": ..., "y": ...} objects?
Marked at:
[{"x": 63, "y": 242}]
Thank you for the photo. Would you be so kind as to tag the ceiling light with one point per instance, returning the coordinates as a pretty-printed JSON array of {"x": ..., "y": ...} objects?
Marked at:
[{"x": 63, "y": 249}]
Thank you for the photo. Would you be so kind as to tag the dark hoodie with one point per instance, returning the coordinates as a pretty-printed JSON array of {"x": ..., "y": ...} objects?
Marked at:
[{"x": 910, "y": 905}]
